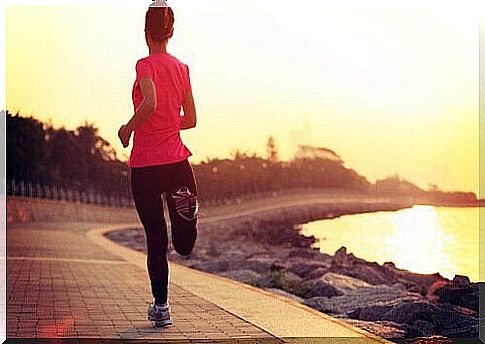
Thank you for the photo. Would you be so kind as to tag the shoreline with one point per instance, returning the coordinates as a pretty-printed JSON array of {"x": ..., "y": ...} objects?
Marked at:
[{"x": 267, "y": 251}]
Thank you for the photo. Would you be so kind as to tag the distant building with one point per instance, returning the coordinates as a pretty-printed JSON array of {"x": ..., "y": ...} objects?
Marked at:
[{"x": 310, "y": 152}]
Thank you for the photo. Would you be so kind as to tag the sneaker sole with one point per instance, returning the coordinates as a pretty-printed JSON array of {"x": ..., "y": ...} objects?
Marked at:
[{"x": 161, "y": 323}]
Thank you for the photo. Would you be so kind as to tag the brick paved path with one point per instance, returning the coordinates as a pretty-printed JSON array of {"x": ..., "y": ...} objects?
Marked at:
[{"x": 61, "y": 285}]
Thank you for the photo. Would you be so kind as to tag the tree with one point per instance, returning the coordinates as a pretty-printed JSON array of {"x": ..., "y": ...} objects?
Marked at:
[{"x": 272, "y": 150}]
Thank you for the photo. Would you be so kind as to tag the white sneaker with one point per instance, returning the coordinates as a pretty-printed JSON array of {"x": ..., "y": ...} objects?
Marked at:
[{"x": 159, "y": 314}]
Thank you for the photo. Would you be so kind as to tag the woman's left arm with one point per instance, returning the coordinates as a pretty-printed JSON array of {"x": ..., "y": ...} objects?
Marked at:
[{"x": 144, "y": 111}]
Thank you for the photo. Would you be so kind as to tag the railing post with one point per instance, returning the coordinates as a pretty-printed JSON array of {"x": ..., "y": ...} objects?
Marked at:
[
  {"x": 21, "y": 188},
  {"x": 69, "y": 195},
  {"x": 38, "y": 190}
]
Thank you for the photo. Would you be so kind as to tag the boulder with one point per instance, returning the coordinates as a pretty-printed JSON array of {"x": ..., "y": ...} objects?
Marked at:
[
  {"x": 213, "y": 249},
  {"x": 461, "y": 328},
  {"x": 308, "y": 253},
  {"x": 318, "y": 287},
  {"x": 460, "y": 293},
  {"x": 289, "y": 277},
  {"x": 434, "y": 318},
  {"x": 421, "y": 328},
  {"x": 211, "y": 265},
  {"x": 281, "y": 279},
  {"x": 416, "y": 282},
  {"x": 383, "y": 329},
  {"x": 316, "y": 273},
  {"x": 341, "y": 259},
  {"x": 304, "y": 269},
  {"x": 266, "y": 281},
  {"x": 260, "y": 265},
  {"x": 242, "y": 275},
  {"x": 361, "y": 298},
  {"x": 278, "y": 265},
  {"x": 371, "y": 313},
  {"x": 364, "y": 272},
  {"x": 461, "y": 281},
  {"x": 343, "y": 283},
  {"x": 404, "y": 311}
]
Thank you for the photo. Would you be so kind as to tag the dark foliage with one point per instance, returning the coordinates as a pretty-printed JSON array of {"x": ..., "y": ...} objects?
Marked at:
[{"x": 80, "y": 159}]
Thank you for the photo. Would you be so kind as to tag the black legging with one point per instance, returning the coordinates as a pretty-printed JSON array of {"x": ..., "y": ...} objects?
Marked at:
[{"x": 147, "y": 185}]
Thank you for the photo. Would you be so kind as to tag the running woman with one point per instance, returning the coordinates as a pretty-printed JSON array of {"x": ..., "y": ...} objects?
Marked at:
[{"x": 158, "y": 159}]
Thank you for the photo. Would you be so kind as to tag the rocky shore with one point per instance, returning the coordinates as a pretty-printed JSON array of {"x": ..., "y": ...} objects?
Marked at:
[{"x": 267, "y": 251}]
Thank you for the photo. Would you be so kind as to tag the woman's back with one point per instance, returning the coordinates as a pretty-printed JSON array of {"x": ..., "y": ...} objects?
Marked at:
[{"x": 157, "y": 141}]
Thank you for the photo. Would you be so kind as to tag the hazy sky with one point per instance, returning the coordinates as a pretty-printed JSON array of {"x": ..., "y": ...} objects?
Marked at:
[{"x": 392, "y": 87}]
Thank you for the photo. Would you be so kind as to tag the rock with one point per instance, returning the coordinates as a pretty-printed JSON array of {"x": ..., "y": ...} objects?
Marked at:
[
  {"x": 260, "y": 265},
  {"x": 341, "y": 258},
  {"x": 361, "y": 298},
  {"x": 287, "y": 281},
  {"x": 280, "y": 279},
  {"x": 275, "y": 266},
  {"x": 383, "y": 329},
  {"x": 401, "y": 311},
  {"x": 291, "y": 278},
  {"x": 308, "y": 254},
  {"x": 304, "y": 269},
  {"x": 420, "y": 289},
  {"x": 343, "y": 283},
  {"x": 461, "y": 281},
  {"x": 460, "y": 293},
  {"x": 318, "y": 287},
  {"x": 213, "y": 249},
  {"x": 242, "y": 275},
  {"x": 421, "y": 328},
  {"x": 266, "y": 281},
  {"x": 462, "y": 328},
  {"x": 441, "y": 321},
  {"x": 366, "y": 273},
  {"x": 371, "y": 313},
  {"x": 318, "y": 272},
  {"x": 416, "y": 282},
  {"x": 211, "y": 265}
]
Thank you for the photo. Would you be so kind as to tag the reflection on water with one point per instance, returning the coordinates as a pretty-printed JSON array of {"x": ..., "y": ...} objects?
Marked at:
[
  {"x": 423, "y": 239},
  {"x": 419, "y": 242}
]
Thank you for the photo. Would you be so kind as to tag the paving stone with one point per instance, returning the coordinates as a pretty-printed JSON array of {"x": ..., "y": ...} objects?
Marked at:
[{"x": 61, "y": 285}]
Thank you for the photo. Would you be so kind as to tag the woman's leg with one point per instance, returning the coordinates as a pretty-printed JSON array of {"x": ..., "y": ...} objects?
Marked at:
[
  {"x": 184, "y": 227},
  {"x": 148, "y": 203}
]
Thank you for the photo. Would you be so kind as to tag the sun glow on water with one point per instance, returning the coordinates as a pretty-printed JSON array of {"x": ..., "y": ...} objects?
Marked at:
[
  {"x": 419, "y": 242},
  {"x": 421, "y": 239}
]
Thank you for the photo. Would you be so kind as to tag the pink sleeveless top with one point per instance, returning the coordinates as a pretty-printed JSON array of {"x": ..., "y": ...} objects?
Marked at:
[{"x": 157, "y": 140}]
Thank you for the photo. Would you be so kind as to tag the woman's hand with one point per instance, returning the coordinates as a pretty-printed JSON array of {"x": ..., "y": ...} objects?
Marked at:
[{"x": 124, "y": 133}]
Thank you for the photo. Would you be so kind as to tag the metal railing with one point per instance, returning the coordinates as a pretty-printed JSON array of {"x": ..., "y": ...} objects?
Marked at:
[
  {"x": 57, "y": 192},
  {"x": 24, "y": 188}
]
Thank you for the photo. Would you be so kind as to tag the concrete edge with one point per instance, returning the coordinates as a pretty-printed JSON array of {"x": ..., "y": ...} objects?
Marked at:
[{"x": 97, "y": 236}]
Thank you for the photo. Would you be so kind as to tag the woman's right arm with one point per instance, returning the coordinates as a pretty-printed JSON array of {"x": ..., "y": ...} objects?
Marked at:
[
  {"x": 189, "y": 119},
  {"x": 146, "y": 107}
]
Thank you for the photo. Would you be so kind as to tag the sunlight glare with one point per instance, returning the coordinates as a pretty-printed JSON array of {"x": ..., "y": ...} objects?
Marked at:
[{"x": 420, "y": 243}]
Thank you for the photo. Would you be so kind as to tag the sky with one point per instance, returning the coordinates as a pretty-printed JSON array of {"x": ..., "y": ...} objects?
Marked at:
[{"x": 392, "y": 87}]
